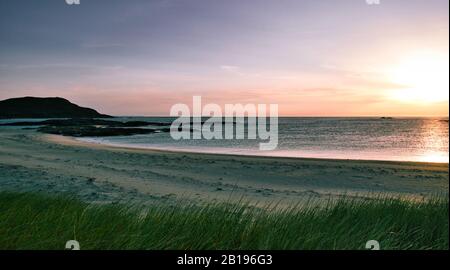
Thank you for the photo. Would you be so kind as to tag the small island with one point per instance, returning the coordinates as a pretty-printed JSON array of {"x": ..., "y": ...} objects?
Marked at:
[{"x": 51, "y": 107}]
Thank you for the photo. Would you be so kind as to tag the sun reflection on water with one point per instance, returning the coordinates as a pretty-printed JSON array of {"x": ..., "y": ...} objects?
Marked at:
[{"x": 434, "y": 136}]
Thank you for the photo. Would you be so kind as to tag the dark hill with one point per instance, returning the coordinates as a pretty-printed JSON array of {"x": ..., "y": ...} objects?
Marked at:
[{"x": 55, "y": 107}]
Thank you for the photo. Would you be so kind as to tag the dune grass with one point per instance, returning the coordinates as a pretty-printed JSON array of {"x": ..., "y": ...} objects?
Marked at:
[{"x": 37, "y": 221}]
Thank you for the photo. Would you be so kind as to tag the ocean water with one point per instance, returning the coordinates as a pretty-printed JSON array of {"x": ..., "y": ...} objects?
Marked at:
[{"x": 398, "y": 139}]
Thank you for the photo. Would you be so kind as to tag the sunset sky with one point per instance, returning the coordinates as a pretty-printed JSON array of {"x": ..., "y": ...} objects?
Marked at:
[{"x": 313, "y": 58}]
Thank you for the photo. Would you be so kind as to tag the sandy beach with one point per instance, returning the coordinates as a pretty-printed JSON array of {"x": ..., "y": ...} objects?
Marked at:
[{"x": 30, "y": 161}]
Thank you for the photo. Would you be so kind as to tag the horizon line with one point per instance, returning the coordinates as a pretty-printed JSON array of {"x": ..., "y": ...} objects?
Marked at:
[{"x": 307, "y": 116}]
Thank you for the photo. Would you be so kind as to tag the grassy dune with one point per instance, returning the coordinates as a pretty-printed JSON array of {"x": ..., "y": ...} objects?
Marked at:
[{"x": 36, "y": 221}]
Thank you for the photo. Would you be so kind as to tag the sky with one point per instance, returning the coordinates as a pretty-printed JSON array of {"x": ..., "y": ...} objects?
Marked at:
[{"x": 311, "y": 57}]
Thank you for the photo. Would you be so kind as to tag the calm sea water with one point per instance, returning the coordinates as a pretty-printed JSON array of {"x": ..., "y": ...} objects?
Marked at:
[{"x": 406, "y": 139}]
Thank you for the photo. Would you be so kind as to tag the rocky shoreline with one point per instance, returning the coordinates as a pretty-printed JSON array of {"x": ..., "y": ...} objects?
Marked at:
[{"x": 85, "y": 127}]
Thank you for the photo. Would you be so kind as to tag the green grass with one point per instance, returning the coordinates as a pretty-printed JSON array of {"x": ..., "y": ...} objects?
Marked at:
[{"x": 36, "y": 221}]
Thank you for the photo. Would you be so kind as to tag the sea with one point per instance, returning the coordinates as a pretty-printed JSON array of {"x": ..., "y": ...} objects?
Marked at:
[{"x": 371, "y": 138}]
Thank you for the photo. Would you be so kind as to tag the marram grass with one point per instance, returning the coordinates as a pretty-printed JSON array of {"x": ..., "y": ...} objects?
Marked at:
[{"x": 35, "y": 221}]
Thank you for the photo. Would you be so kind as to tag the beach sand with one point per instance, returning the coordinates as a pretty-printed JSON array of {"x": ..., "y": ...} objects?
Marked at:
[{"x": 30, "y": 161}]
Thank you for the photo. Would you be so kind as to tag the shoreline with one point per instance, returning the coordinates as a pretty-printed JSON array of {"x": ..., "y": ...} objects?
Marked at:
[
  {"x": 31, "y": 161},
  {"x": 68, "y": 140},
  {"x": 383, "y": 150}
]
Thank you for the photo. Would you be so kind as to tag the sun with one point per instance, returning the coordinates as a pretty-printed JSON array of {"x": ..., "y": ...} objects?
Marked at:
[{"x": 424, "y": 78}]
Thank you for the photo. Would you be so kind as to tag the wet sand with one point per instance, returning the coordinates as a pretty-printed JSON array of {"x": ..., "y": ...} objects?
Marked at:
[{"x": 30, "y": 161}]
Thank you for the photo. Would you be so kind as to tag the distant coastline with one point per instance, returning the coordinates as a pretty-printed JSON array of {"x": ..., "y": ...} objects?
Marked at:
[{"x": 52, "y": 107}]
